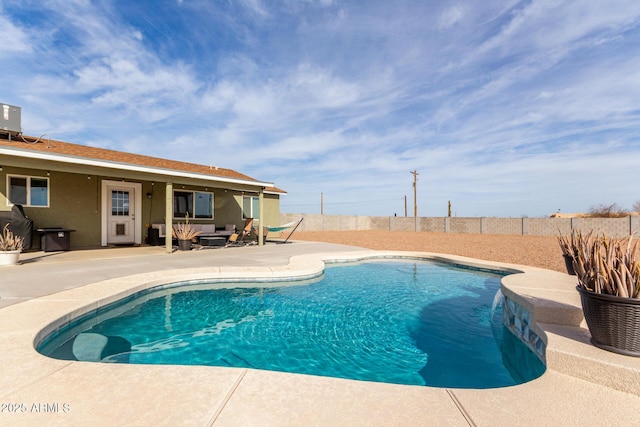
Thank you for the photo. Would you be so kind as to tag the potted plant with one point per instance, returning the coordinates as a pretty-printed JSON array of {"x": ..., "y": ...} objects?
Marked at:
[
  {"x": 10, "y": 247},
  {"x": 185, "y": 234},
  {"x": 608, "y": 272},
  {"x": 569, "y": 246}
]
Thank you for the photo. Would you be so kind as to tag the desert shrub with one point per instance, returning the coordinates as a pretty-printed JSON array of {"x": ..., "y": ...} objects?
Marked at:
[{"x": 607, "y": 211}]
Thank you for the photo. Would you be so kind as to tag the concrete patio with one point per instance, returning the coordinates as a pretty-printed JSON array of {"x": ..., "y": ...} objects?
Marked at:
[
  {"x": 582, "y": 386},
  {"x": 44, "y": 273}
]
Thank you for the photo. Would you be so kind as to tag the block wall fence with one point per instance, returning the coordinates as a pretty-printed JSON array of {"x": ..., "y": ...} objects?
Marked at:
[{"x": 614, "y": 227}]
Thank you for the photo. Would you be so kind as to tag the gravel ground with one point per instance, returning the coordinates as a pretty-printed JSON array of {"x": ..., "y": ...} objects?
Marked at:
[{"x": 536, "y": 251}]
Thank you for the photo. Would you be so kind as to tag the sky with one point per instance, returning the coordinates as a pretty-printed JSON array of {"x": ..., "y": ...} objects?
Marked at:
[{"x": 504, "y": 108}]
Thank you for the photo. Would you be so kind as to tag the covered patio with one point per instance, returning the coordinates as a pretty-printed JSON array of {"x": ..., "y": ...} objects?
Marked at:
[{"x": 111, "y": 198}]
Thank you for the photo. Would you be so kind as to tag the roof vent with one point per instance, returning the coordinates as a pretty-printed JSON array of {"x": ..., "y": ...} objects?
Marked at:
[{"x": 10, "y": 118}]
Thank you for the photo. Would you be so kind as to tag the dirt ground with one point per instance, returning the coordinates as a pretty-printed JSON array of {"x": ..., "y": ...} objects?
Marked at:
[{"x": 537, "y": 251}]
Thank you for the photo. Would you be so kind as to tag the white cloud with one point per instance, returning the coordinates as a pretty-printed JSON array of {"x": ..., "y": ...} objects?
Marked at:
[
  {"x": 15, "y": 39},
  {"x": 122, "y": 81},
  {"x": 451, "y": 17},
  {"x": 547, "y": 24},
  {"x": 256, "y": 7},
  {"x": 322, "y": 89}
]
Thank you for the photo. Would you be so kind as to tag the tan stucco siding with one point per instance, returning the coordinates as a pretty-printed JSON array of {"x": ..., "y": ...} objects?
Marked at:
[
  {"x": 271, "y": 210},
  {"x": 75, "y": 201}
]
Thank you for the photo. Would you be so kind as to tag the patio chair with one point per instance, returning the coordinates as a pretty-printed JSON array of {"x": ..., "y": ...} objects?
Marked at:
[
  {"x": 242, "y": 237},
  {"x": 246, "y": 231}
]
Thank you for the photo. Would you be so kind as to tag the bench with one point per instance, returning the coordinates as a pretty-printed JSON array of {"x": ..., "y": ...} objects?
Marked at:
[{"x": 206, "y": 230}]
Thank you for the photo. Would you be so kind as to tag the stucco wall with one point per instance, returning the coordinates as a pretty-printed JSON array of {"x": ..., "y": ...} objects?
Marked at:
[
  {"x": 504, "y": 225},
  {"x": 153, "y": 208},
  {"x": 436, "y": 224},
  {"x": 514, "y": 226},
  {"x": 75, "y": 202},
  {"x": 465, "y": 225},
  {"x": 548, "y": 226},
  {"x": 272, "y": 210}
]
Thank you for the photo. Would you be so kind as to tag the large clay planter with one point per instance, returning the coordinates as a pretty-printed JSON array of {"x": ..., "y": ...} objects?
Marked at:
[
  {"x": 9, "y": 257},
  {"x": 614, "y": 322}
]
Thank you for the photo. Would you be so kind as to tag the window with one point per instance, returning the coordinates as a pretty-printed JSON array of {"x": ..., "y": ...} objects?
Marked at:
[
  {"x": 28, "y": 190},
  {"x": 119, "y": 203},
  {"x": 194, "y": 204},
  {"x": 251, "y": 207}
]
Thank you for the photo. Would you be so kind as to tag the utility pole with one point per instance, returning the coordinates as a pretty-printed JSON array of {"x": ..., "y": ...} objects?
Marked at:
[
  {"x": 415, "y": 192},
  {"x": 321, "y": 203},
  {"x": 405, "y": 205}
]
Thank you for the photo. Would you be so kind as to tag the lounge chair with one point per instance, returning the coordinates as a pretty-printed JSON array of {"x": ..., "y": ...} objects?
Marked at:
[{"x": 241, "y": 238}]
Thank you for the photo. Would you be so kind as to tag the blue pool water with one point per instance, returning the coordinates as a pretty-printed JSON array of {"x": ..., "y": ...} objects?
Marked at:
[{"x": 403, "y": 322}]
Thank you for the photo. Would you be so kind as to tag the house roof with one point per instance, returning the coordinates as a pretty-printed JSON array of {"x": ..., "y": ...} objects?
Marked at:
[{"x": 64, "y": 151}]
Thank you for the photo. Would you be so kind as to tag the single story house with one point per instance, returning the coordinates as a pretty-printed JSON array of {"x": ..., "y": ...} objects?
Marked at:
[{"x": 111, "y": 198}]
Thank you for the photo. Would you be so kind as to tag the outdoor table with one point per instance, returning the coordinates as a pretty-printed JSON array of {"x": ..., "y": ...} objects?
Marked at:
[{"x": 213, "y": 241}]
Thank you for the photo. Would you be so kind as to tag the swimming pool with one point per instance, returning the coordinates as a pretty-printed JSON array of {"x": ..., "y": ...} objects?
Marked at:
[{"x": 405, "y": 322}]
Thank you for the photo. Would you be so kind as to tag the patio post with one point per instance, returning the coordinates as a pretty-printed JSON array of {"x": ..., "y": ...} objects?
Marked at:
[
  {"x": 261, "y": 226},
  {"x": 168, "y": 217}
]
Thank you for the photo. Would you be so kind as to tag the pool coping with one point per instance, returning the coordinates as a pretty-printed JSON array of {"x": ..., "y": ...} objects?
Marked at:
[{"x": 212, "y": 395}]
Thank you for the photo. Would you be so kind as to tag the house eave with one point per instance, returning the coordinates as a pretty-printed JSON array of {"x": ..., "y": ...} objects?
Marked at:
[{"x": 84, "y": 161}]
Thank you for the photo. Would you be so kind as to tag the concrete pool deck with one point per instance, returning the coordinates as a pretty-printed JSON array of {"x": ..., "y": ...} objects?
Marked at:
[{"x": 582, "y": 386}]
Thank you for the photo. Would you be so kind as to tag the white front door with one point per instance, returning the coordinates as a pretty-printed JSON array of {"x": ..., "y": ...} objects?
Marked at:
[
  {"x": 121, "y": 215},
  {"x": 121, "y": 208}
]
